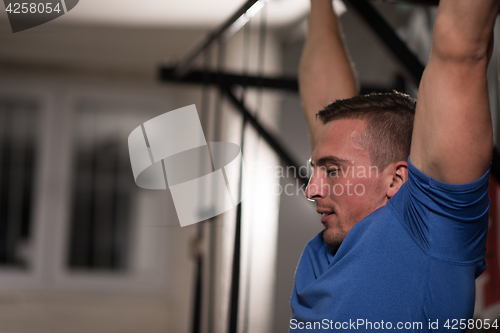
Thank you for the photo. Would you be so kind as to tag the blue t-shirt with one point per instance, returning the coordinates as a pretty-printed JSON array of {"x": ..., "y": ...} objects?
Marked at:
[{"x": 409, "y": 266}]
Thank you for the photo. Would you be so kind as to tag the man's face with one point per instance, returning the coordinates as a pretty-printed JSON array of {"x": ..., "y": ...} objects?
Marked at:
[{"x": 344, "y": 183}]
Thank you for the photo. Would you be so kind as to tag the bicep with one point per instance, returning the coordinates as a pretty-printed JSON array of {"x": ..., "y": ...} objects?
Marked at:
[{"x": 452, "y": 135}]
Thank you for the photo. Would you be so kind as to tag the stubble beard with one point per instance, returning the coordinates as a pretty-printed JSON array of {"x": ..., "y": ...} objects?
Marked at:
[{"x": 334, "y": 238}]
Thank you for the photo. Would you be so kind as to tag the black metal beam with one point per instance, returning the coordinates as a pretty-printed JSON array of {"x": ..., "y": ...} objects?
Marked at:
[
  {"x": 415, "y": 2},
  {"x": 235, "y": 276},
  {"x": 183, "y": 67},
  {"x": 229, "y": 79},
  {"x": 198, "y": 292},
  {"x": 407, "y": 60},
  {"x": 289, "y": 84},
  {"x": 271, "y": 141}
]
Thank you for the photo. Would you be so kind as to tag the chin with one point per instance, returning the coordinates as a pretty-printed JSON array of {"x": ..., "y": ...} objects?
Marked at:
[{"x": 333, "y": 238}]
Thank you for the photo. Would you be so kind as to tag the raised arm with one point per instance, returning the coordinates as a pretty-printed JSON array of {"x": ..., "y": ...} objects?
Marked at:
[
  {"x": 325, "y": 71},
  {"x": 452, "y": 136}
]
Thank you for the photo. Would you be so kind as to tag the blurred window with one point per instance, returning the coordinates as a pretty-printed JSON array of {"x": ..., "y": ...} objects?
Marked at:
[
  {"x": 102, "y": 188},
  {"x": 18, "y": 136}
]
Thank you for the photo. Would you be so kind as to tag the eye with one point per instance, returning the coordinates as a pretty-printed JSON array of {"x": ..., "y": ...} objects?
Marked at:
[{"x": 333, "y": 173}]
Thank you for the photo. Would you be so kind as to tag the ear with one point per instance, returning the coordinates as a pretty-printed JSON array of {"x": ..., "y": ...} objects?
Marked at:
[{"x": 398, "y": 174}]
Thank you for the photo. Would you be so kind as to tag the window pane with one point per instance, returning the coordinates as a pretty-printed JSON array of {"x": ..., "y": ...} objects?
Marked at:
[
  {"x": 103, "y": 188},
  {"x": 18, "y": 136}
]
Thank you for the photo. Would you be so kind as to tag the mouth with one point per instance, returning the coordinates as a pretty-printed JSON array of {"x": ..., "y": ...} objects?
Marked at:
[{"x": 326, "y": 215}]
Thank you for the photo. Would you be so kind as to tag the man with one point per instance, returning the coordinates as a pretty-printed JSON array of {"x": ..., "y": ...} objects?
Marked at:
[{"x": 404, "y": 238}]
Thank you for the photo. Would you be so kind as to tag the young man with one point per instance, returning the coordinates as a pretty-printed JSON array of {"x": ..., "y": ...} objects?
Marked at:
[{"x": 404, "y": 238}]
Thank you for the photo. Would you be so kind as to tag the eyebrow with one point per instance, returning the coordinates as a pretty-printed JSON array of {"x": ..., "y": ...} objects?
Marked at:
[{"x": 329, "y": 159}]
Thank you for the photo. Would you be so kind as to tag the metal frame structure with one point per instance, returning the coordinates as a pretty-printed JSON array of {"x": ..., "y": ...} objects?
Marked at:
[
  {"x": 408, "y": 62},
  {"x": 229, "y": 79},
  {"x": 183, "y": 67}
]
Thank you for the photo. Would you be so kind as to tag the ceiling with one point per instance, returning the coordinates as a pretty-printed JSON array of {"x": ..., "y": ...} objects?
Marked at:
[{"x": 177, "y": 13}]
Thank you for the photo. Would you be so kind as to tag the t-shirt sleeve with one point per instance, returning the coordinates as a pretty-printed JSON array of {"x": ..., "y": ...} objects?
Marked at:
[{"x": 448, "y": 221}]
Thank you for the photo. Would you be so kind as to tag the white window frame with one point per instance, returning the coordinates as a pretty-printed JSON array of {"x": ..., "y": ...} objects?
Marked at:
[{"x": 52, "y": 196}]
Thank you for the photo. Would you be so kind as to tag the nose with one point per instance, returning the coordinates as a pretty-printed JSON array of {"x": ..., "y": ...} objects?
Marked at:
[{"x": 315, "y": 187}]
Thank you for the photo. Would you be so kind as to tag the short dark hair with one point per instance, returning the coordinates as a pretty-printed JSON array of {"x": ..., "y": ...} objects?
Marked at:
[{"x": 389, "y": 123}]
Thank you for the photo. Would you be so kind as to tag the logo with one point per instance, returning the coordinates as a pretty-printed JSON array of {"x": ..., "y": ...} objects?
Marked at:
[
  {"x": 26, "y": 15},
  {"x": 171, "y": 151}
]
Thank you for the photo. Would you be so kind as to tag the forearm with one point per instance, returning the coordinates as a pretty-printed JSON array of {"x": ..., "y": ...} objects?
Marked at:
[
  {"x": 325, "y": 71},
  {"x": 464, "y": 29}
]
